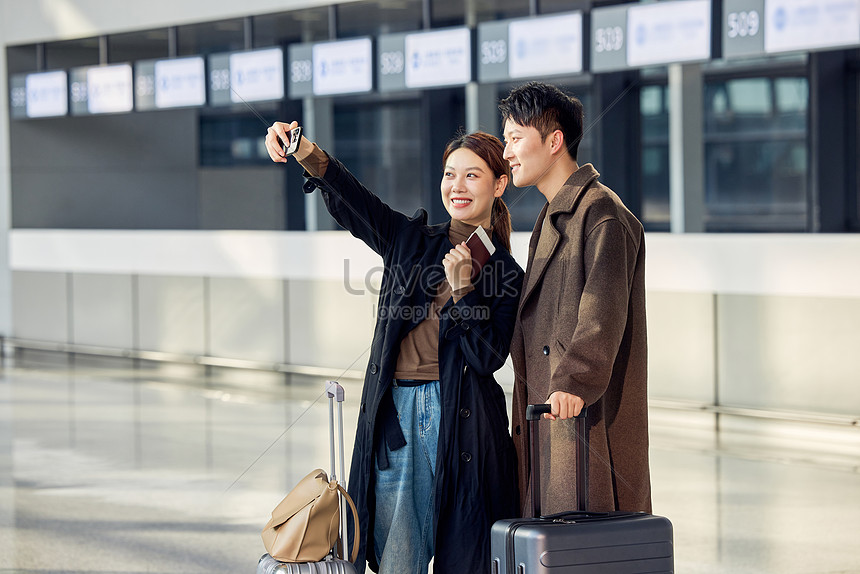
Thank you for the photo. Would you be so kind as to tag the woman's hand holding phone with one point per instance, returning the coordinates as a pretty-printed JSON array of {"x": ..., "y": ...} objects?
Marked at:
[{"x": 283, "y": 140}]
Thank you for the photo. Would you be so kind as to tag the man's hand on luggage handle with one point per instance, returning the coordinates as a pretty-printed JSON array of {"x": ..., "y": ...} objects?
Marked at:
[{"x": 564, "y": 405}]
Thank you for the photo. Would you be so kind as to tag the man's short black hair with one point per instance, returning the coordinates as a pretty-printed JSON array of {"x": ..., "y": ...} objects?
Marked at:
[{"x": 545, "y": 108}]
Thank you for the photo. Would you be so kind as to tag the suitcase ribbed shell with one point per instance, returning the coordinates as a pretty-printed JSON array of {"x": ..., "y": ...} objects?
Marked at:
[{"x": 269, "y": 565}]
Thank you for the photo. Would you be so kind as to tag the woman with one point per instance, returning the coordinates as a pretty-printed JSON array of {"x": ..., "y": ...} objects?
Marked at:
[{"x": 433, "y": 464}]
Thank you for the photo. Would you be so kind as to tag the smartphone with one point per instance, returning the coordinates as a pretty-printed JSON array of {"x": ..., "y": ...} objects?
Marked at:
[{"x": 293, "y": 145}]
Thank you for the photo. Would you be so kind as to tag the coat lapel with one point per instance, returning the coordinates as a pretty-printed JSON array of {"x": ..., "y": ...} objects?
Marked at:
[
  {"x": 542, "y": 252},
  {"x": 545, "y": 239}
]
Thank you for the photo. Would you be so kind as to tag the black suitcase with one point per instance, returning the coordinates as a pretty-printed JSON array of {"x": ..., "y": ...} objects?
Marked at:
[{"x": 579, "y": 542}]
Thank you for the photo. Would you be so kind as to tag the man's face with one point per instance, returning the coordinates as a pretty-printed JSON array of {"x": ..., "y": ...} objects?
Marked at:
[{"x": 527, "y": 153}]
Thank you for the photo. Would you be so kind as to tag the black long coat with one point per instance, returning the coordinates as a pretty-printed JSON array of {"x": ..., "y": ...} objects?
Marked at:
[{"x": 476, "y": 481}]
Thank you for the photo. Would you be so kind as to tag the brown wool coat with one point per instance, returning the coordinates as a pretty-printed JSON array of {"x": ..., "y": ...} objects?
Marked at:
[{"x": 581, "y": 329}]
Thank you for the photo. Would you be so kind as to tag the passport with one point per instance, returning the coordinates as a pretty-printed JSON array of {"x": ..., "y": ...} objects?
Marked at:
[{"x": 481, "y": 248}]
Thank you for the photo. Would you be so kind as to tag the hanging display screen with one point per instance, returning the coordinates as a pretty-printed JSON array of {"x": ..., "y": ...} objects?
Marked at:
[
  {"x": 668, "y": 32},
  {"x": 39, "y": 95},
  {"x": 791, "y": 25},
  {"x": 330, "y": 68},
  {"x": 440, "y": 58},
  {"x": 173, "y": 83},
  {"x": 101, "y": 90},
  {"x": 344, "y": 67},
  {"x": 248, "y": 76},
  {"x": 624, "y": 37},
  {"x": 755, "y": 28},
  {"x": 545, "y": 46}
]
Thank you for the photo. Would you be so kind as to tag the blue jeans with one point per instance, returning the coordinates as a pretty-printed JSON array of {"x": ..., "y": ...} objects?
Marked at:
[{"x": 403, "y": 526}]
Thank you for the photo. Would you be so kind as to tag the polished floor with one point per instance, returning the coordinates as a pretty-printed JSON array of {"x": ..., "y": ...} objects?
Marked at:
[{"x": 168, "y": 469}]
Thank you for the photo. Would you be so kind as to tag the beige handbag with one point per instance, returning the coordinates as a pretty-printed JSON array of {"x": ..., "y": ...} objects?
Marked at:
[{"x": 304, "y": 526}]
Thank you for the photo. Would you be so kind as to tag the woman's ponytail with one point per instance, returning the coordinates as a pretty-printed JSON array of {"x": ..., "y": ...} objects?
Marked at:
[{"x": 501, "y": 220}]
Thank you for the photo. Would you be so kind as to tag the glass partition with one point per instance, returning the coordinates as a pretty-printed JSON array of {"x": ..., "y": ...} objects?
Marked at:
[
  {"x": 381, "y": 145},
  {"x": 654, "y": 109},
  {"x": 756, "y": 154},
  {"x": 756, "y": 157}
]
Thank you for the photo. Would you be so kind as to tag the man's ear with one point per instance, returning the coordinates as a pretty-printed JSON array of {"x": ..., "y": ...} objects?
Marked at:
[{"x": 557, "y": 142}]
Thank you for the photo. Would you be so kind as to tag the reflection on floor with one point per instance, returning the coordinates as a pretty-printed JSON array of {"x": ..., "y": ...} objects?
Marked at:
[{"x": 111, "y": 469}]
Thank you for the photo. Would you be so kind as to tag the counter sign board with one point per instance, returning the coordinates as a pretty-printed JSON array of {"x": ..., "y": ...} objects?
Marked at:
[
  {"x": 330, "y": 68},
  {"x": 344, "y": 67},
  {"x": 530, "y": 47},
  {"x": 609, "y": 39},
  {"x": 669, "y": 32},
  {"x": 545, "y": 46},
  {"x": 391, "y": 62},
  {"x": 248, "y": 76},
  {"x": 109, "y": 89},
  {"x": 743, "y": 28},
  {"x": 18, "y": 96},
  {"x": 300, "y": 70},
  {"x": 763, "y": 27},
  {"x": 424, "y": 59},
  {"x": 439, "y": 58},
  {"x": 810, "y": 24},
  {"x": 172, "y": 83},
  {"x": 39, "y": 95},
  {"x": 634, "y": 36},
  {"x": 101, "y": 89}
]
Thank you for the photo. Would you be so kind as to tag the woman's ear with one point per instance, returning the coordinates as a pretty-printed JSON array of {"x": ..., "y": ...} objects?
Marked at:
[{"x": 501, "y": 185}]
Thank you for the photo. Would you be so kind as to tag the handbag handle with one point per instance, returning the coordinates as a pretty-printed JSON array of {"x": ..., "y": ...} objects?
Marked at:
[{"x": 348, "y": 498}]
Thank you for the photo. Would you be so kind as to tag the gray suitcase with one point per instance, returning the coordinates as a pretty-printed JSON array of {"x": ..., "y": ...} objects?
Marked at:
[
  {"x": 269, "y": 565},
  {"x": 579, "y": 542},
  {"x": 331, "y": 564}
]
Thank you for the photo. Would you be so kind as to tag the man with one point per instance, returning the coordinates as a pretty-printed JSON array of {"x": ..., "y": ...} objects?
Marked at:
[{"x": 580, "y": 337}]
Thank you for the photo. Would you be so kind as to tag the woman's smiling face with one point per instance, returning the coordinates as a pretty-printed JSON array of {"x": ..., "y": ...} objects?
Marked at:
[{"x": 469, "y": 187}]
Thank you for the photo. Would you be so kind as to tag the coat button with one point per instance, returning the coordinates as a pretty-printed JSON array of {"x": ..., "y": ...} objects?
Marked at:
[
  {"x": 465, "y": 413},
  {"x": 466, "y": 456},
  {"x": 399, "y": 290},
  {"x": 466, "y": 326},
  {"x": 373, "y": 368},
  {"x": 517, "y": 430},
  {"x": 545, "y": 350},
  {"x": 363, "y": 407}
]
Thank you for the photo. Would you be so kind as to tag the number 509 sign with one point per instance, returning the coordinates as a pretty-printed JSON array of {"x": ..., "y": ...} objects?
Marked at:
[
  {"x": 743, "y": 28},
  {"x": 741, "y": 24},
  {"x": 759, "y": 27}
]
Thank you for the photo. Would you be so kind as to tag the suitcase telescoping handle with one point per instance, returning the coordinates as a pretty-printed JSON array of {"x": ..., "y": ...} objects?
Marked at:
[
  {"x": 335, "y": 394},
  {"x": 534, "y": 413}
]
